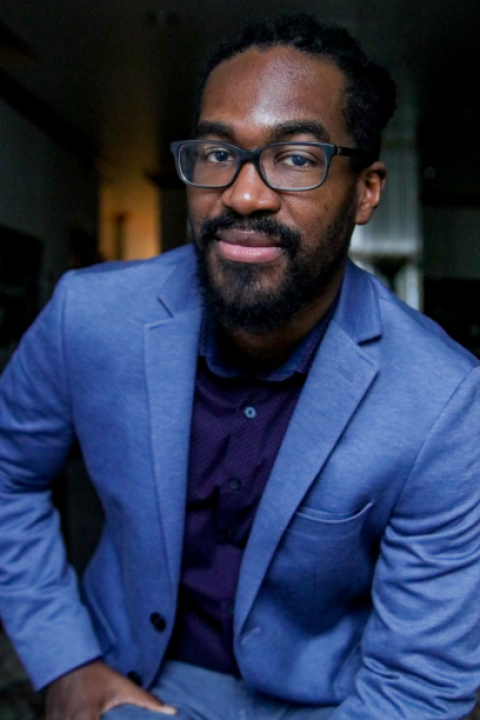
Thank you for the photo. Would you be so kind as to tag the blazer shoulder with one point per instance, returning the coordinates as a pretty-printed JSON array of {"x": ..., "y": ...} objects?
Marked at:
[
  {"x": 382, "y": 323},
  {"x": 415, "y": 355},
  {"x": 421, "y": 331},
  {"x": 133, "y": 288},
  {"x": 155, "y": 270}
]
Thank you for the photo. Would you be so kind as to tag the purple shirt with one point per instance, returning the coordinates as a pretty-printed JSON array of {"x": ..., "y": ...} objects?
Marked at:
[{"x": 238, "y": 425}]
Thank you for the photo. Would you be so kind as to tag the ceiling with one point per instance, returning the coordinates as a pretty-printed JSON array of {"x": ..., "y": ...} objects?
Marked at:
[{"x": 121, "y": 73}]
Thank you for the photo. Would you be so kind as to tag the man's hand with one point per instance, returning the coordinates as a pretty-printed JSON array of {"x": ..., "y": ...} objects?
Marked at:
[{"x": 89, "y": 691}]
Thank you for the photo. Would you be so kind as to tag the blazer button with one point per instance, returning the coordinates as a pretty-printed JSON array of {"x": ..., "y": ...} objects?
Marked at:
[
  {"x": 134, "y": 677},
  {"x": 158, "y": 622}
]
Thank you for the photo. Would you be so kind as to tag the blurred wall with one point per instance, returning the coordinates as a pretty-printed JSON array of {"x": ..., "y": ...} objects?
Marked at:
[
  {"x": 45, "y": 191},
  {"x": 452, "y": 249}
]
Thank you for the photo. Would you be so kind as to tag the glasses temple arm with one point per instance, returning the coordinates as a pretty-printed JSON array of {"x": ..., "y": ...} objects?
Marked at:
[{"x": 353, "y": 152}]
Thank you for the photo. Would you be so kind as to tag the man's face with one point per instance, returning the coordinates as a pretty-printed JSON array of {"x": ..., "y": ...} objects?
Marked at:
[{"x": 265, "y": 255}]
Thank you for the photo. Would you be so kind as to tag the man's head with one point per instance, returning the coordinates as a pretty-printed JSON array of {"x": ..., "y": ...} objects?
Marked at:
[
  {"x": 369, "y": 90},
  {"x": 269, "y": 257}
]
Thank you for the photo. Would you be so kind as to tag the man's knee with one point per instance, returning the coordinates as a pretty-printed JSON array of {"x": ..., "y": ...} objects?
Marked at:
[{"x": 132, "y": 712}]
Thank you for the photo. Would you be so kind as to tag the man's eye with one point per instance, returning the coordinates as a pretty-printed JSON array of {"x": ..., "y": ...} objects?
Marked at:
[
  {"x": 218, "y": 155},
  {"x": 297, "y": 160}
]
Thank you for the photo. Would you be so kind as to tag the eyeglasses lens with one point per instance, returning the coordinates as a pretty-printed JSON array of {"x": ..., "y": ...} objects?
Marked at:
[
  {"x": 293, "y": 166},
  {"x": 285, "y": 167},
  {"x": 208, "y": 164}
]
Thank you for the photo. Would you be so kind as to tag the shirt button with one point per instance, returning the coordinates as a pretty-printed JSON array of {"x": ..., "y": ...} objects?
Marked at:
[
  {"x": 134, "y": 677},
  {"x": 158, "y": 622},
  {"x": 225, "y": 535},
  {"x": 234, "y": 484},
  {"x": 250, "y": 412}
]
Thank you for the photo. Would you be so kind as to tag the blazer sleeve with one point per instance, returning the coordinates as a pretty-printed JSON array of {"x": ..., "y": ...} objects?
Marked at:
[
  {"x": 39, "y": 600},
  {"x": 421, "y": 647}
]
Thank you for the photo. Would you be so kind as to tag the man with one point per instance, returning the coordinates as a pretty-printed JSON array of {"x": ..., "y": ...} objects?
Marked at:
[{"x": 285, "y": 453}]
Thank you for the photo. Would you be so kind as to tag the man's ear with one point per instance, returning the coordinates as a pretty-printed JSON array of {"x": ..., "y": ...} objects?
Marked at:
[{"x": 370, "y": 184}]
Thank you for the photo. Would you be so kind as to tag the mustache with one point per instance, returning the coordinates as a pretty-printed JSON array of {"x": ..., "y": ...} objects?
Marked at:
[{"x": 289, "y": 239}]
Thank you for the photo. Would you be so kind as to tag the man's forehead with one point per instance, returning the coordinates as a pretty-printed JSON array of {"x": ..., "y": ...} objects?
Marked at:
[{"x": 265, "y": 88}]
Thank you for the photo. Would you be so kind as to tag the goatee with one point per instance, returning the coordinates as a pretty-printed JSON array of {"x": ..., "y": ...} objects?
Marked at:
[{"x": 234, "y": 294}]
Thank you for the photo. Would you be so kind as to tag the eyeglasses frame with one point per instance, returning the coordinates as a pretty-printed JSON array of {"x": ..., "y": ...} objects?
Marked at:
[{"x": 253, "y": 156}]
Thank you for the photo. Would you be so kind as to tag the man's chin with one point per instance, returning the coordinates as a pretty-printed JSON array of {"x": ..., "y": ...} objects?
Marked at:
[{"x": 240, "y": 298}]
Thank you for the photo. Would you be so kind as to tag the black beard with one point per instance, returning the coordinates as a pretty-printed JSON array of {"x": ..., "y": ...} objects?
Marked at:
[{"x": 240, "y": 303}]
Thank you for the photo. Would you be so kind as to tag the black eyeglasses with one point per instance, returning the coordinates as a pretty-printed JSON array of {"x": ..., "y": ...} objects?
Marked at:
[{"x": 292, "y": 166}]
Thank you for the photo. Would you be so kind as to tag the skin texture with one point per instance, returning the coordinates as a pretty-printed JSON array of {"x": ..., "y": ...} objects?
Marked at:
[
  {"x": 89, "y": 691},
  {"x": 251, "y": 98}
]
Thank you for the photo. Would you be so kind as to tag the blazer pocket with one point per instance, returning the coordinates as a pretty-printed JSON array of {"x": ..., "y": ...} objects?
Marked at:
[
  {"x": 323, "y": 564},
  {"x": 315, "y": 523}
]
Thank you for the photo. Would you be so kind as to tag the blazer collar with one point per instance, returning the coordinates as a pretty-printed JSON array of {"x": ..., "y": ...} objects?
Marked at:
[
  {"x": 179, "y": 292},
  {"x": 358, "y": 312}
]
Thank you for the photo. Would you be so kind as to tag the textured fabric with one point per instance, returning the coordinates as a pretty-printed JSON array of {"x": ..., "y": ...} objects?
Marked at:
[
  {"x": 360, "y": 581},
  {"x": 238, "y": 425},
  {"x": 201, "y": 694}
]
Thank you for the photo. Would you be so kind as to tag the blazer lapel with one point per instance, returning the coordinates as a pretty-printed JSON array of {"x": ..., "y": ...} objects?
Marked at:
[
  {"x": 171, "y": 347},
  {"x": 338, "y": 380}
]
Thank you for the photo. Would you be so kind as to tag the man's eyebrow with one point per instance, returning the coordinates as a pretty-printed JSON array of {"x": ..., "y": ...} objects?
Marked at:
[
  {"x": 283, "y": 131},
  {"x": 286, "y": 130},
  {"x": 219, "y": 129}
]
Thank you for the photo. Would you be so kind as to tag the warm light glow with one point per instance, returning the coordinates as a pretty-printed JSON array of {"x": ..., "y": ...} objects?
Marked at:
[{"x": 129, "y": 218}]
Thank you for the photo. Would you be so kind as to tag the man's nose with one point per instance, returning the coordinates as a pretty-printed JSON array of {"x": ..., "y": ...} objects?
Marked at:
[{"x": 249, "y": 194}]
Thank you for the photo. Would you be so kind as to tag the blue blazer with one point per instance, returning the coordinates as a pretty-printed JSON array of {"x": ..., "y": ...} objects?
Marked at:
[{"x": 360, "y": 584}]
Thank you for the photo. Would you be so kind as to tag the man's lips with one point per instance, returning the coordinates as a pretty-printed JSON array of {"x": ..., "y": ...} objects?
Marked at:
[{"x": 248, "y": 246}]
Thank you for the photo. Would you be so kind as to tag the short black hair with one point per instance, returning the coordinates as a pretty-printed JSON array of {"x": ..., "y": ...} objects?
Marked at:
[{"x": 370, "y": 90}]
